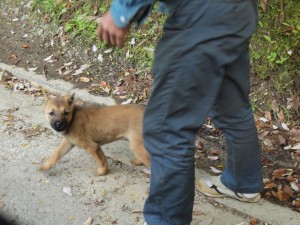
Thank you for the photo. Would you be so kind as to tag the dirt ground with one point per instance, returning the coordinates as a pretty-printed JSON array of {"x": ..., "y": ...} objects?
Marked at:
[{"x": 27, "y": 46}]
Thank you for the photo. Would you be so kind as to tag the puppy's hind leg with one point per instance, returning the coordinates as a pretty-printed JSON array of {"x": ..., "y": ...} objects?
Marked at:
[
  {"x": 141, "y": 154},
  {"x": 97, "y": 153},
  {"x": 63, "y": 148}
]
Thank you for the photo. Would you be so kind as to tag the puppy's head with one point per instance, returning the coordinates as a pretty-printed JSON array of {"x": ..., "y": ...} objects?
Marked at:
[{"x": 59, "y": 111}]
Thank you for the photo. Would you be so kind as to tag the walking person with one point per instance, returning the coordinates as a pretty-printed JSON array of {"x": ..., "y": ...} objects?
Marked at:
[{"x": 201, "y": 67}]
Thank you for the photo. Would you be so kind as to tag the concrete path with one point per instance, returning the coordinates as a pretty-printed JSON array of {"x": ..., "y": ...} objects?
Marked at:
[{"x": 70, "y": 193}]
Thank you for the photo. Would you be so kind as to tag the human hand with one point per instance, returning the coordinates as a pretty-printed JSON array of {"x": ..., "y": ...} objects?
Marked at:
[{"x": 109, "y": 32}]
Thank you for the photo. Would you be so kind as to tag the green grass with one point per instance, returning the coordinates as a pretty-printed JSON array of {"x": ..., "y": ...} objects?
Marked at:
[
  {"x": 75, "y": 19},
  {"x": 274, "y": 49}
]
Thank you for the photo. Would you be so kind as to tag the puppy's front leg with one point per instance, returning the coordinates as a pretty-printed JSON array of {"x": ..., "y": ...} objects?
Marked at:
[
  {"x": 95, "y": 150},
  {"x": 63, "y": 148}
]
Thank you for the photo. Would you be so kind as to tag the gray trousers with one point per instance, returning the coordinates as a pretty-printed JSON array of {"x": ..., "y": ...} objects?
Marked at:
[{"x": 201, "y": 67}]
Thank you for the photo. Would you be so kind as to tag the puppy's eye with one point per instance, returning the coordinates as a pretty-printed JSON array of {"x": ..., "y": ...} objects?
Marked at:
[
  {"x": 66, "y": 113},
  {"x": 51, "y": 113}
]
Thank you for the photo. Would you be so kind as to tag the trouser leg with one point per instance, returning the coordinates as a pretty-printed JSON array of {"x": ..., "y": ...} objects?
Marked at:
[
  {"x": 188, "y": 73},
  {"x": 233, "y": 114},
  {"x": 170, "y": 125}
]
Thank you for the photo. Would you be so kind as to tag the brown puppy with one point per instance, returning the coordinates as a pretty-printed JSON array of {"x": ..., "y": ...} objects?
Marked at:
[{"x": 93, "y": 126}]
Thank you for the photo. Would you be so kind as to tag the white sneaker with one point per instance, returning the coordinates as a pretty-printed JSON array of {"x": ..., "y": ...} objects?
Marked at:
[{"x": 218, "y": 190}]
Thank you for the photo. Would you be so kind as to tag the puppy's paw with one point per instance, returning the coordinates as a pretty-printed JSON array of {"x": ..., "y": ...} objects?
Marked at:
[
  {"x": 45, "y": 166},
  {"x": 136, "y": 162},
  {"x": 101, "y": 171}
]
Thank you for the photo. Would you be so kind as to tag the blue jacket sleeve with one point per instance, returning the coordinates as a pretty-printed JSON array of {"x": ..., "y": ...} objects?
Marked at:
[{"x": 126, "y": 11}]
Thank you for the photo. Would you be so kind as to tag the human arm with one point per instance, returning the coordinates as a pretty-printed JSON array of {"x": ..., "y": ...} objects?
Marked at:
[{"x": 115, "y": 24}]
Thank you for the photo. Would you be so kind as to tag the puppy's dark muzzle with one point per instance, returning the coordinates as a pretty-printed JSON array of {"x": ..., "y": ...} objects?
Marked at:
[{"x": 59, "y": 125}]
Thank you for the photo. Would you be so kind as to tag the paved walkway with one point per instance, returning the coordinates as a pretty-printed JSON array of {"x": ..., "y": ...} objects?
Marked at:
[{"x": 70, "y": 193}]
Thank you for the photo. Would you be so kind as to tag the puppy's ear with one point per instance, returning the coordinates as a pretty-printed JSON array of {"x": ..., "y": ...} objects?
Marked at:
[
  {"x": 47, "y": 96},
  {"x": 70, "y": 98}
]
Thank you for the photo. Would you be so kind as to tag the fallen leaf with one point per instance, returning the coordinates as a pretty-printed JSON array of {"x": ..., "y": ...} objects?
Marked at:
[
  {"x": 288, "y": 172},
  {"x": 128, "y": 101},
  {"x": 263, "y": 134},
  {"x": 132, "y": 42},
  {"x": 278, "y": 173},
  {"x": 103, "y": 84},
  {"x": 67, "y": 190},
  {"x": 85, "y": 79},
  {"x": 268, "y": 115},
  {"x": 296, "y": 202},
  {"x": 4, "y": 76},
  {"x": 215, "y": 170},
  {"x": 89, "y": 221},
  {"x": 67, "y": 72},
  {"x": 263, "y": 119},
  {"x": 128, "y": 55},
  {"x": 264, "y": 5},
  {"x": 283, "y": 197},
  {"x": 206, "y": 222},
  {"x": 40, "y": 32},
  {"x": 275, "y": 106},
  {"x": 100, "y": 58},
  {"x": 197, "y": 213},
  {"x": 290, "y": 178},
  {"x": 26, "y": 45},
  {"x": 221, "y": 166},
  {"x": 282, "y": 140},
  {"x": 293, "y": 103},
  {"x": 214, "y": 152},
  {"x": 213, "y": 158},
  {"x": 108, "y": 51},
  {"x": 13, "y": 56},
  {"x": 265, "y": 161},
  {"x": 149, "y": 49},
  {"x": 25, "y": 146},
  {"x": 68, "y": 64},
  {"x": 294, "y": 186},
  {"x": 260, "y": 125},
  {"x": 268, "y": 142},
  {"x": 287, "y": 190},
  {"x": 81, "y": 69},
  {"x": 48, "y": 58},
  {"x": 132, "y": 70},
  {"x": 284, "y": 126},
  {"x": 253, "y": 221},
  {"x": 295, "y": 135},
  {"x": 280, "y": 116},
  {"x": 198, "y": 145},
  {"x": 209, "y": 126},
  {"x": 296, "y": 146},
  {"x": 32, "y": 69},
  {"x": 106, "y": 90},
  {"x": 71, "y": 218},
  {"x": 95, "y": 48},
  {"x": 270, "y": 185}
]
